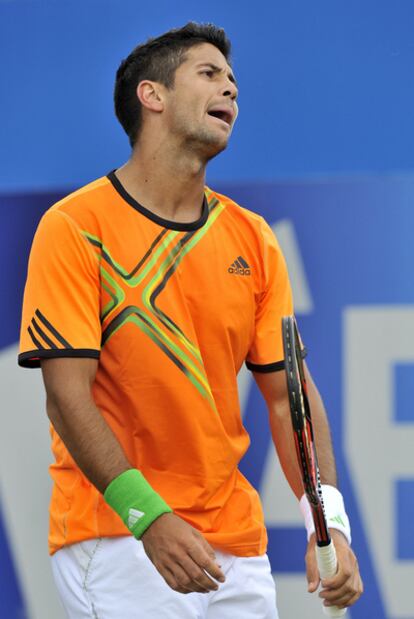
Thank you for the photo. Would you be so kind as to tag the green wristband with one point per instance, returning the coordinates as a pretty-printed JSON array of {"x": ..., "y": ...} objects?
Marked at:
[{"x": 134, "y": 500}]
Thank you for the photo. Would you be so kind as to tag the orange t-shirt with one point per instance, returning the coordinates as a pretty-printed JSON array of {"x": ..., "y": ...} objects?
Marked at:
[{"x": 171, "y": 310}]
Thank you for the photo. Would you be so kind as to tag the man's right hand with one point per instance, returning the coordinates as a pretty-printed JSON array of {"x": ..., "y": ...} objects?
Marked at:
[{"x": 182, "y": 556}]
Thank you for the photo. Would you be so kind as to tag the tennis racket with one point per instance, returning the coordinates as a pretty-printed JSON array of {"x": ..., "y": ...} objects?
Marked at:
[{"x": 306, "y": 453}]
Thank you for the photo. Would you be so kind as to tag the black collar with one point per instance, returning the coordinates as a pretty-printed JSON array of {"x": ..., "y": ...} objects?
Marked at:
[{"x": 165, "y": 223}]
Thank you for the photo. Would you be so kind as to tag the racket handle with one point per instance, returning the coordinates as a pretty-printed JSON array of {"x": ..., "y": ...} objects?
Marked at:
[{"x": 328, "y": 565}]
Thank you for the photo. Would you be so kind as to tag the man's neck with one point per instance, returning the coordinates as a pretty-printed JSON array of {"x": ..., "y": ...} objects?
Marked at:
[{"x": 169, "y": 184}]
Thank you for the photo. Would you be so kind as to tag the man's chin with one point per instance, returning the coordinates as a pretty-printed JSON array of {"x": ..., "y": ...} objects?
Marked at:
[
  {"x": 210, "y": 144},
  {"x": 216, "y": 149},
  {"x": 215, "y": 145}
]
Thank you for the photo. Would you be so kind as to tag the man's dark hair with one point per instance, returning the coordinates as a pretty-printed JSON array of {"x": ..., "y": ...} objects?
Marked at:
[{"x": 157, "y": 60}]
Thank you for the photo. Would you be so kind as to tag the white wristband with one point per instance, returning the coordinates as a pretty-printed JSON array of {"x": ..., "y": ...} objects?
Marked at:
[{"x": 336, "y": 516}]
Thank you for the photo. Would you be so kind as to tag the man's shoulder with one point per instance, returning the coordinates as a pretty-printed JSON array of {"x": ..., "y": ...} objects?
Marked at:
[
  {"x": 89, "y": 197},
  {"x": 236, "y": 210}
]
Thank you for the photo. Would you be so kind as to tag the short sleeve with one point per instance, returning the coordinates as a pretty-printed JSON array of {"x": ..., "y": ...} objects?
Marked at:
[
  {"x": 61, "y": 316},
  {"x": 274, "y": 302}
]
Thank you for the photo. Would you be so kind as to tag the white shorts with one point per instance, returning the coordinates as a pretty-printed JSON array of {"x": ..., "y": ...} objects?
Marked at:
[{"x": 112, "y": 578}]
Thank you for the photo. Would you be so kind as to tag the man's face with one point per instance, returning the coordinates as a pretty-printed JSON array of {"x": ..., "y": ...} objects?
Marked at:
[{"x": 201, "y": 108}]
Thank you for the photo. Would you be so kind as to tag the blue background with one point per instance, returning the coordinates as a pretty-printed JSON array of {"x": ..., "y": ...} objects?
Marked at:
[
  {"x": 324, "y": 138},
  {"x": 325, "y": 87}
]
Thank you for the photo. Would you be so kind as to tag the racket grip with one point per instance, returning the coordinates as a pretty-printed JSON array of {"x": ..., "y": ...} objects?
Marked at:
[{"x": 328, "y": 565}]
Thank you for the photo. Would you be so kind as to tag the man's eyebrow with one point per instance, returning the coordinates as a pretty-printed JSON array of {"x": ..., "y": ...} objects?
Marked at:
[{"x": 217, "y": 69}]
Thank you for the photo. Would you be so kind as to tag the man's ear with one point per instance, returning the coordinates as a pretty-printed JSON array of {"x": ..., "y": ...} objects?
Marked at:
[{"x": 150, "y": 95}]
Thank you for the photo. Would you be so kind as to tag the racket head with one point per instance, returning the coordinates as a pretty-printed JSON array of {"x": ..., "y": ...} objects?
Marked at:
[{"x": 302, "y": 426}]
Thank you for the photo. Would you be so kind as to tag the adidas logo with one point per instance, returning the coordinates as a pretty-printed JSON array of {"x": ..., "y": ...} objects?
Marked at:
[
  {"x": 133, "y": 516},
  {"x": 338, "y": 520},
  {"x": 239, "y": 267}
]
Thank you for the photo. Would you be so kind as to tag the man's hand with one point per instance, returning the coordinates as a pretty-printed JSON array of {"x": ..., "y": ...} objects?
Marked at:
[
  {"x": 181, "y": 555},
  {"x": 346, "y": 587}
]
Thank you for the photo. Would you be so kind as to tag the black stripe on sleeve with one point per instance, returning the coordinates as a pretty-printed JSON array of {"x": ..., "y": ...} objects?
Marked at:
[
  {"x": 271, "y": 367},
  {"x": 32, "y": 358},
  {"x": 52, "y": 329},
  {"x": 43, "y": 334},
  {"x": 34, "y": 339},
  {"x": 266, "y": 367}
]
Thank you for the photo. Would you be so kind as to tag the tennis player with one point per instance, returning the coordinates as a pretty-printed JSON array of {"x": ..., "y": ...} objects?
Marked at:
[{"x": 146, "y": 292}]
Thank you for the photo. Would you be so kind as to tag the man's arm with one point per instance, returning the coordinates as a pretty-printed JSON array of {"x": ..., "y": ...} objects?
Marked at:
[
  {"x": 75, "y": 417},
  {"x": 273, "y": 388},
  {"x": 178, "y": 551},
  {"x": 346, "y": 587}
]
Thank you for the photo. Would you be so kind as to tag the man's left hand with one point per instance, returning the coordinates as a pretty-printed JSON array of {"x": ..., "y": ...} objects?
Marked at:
[{"x": 346, "y": 587}]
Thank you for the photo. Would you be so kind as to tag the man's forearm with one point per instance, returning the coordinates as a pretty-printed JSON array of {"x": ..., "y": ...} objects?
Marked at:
[
  {"x": 281, "y": 427},
  {"x": 322, "y": 434},
  {"x": 79, "y": 423},
  {"x": 90, "y": 441}
]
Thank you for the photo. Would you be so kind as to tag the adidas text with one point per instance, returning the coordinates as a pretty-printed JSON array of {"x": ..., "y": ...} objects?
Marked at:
[{"x": 238, "y": 271}]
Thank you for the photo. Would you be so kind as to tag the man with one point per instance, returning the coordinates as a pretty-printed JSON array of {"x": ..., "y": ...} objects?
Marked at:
[{"x": 146, "y": 292}]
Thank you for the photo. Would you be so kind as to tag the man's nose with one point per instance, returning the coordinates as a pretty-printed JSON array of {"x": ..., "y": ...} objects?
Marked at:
[{"x": 230, "y": 90}]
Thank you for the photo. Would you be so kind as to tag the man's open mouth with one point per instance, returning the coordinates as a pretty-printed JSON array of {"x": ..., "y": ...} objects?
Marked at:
[{"x": 222, "y": 114}]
